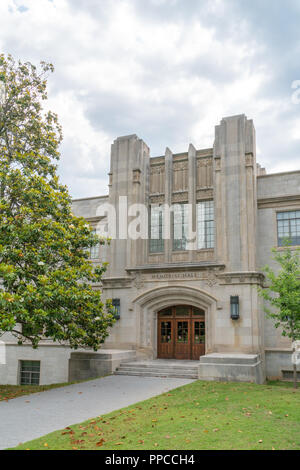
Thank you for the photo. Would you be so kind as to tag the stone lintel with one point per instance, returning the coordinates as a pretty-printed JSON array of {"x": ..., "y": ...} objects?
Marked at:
[
  {"x": 246, "y": 277},
  {"x": 278, "y": 201},
  {"x": 177, "y": 267}
]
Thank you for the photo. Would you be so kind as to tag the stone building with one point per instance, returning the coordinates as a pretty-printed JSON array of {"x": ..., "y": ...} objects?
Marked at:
[{"x": 180, "y": 300}]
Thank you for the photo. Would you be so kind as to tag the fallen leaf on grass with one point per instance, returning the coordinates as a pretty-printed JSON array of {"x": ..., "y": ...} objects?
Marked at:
[
  {"x": 100, "y": 443},
  {"x": 68, "y": 432}
]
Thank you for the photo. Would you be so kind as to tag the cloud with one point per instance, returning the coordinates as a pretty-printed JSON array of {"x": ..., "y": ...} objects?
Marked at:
[{"x": 168, "y": 70}]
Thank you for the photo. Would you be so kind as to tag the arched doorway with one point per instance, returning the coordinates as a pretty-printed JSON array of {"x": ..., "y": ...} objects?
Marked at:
[{"x": 181, "y": 332}]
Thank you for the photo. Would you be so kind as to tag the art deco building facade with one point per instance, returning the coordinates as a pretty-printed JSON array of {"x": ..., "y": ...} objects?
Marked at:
[{"x": 199, "y": 302}]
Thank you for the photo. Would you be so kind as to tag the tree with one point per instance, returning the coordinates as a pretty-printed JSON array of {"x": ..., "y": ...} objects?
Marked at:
[
  {"x": 283, "y": 294},
  {"x": 47, "y": 278}
]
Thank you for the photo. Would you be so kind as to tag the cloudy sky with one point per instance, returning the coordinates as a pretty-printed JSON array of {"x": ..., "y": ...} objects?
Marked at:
[{"x": 167, "y": 70}]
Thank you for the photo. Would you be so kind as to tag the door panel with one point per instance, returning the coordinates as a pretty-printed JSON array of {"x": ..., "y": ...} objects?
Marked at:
[
  {"x": 165, "y": 339},
  {"x": 182, "y": 339},
  {"x": 198, "y": 338}
]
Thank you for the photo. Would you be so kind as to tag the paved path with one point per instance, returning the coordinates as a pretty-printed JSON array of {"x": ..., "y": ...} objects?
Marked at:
[{"x": 31, "y": 416}]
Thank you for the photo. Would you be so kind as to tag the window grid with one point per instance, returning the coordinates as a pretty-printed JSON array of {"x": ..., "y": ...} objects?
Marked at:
[
  {"x": 94, "y": 250},
  {"x": 199, "y": 332},
  {"x": 180, "y": 226},
  {"x": 156, "y": 242},
  {"x": 30, "y": 373},
  {"x": 166, "y": 332},
  {"x": 288, "y": 227},
  {"x": 205, "y": 224}
]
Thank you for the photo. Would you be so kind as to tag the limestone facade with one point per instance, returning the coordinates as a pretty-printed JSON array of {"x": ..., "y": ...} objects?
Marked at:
[{"x": 245, "y": 203}]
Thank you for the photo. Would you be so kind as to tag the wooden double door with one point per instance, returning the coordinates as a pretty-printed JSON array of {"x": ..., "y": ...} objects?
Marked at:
[{"x": 181, "y": 333}]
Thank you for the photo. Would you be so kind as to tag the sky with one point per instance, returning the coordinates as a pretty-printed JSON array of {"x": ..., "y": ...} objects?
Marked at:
[{"x": 166, "y": 70}]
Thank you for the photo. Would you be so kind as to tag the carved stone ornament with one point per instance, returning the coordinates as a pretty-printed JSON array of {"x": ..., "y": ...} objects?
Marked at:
[
  {"x": 212, "y": 280},
  {"x": 158, "y": 199},
  {"x": 180, "y": 197},
  {"x": 217, "y": 164},
  {"x": 249, "y": 159},
  {"x": 137, "y": 175},
  {"x": 157, "y": 169},
  {"x": 180, "y": 165},
  {"x": 139, "y": 281},
  {"x": 204, "y": 162}
]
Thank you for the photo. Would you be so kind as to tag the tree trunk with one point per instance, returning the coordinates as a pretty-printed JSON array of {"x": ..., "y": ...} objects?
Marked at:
[{"x": 295, "y": 375}]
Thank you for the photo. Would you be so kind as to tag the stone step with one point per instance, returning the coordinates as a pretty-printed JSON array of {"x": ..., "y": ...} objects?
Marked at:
[
  {"x": 160, "y": 368},
  {"x": 229, "y": 359},
  {"x": 140, "y": 370},
  {"x": 163, "y": 364},
  {"x": 182, "y": 370},
  {"x": 153, "y": 373}
]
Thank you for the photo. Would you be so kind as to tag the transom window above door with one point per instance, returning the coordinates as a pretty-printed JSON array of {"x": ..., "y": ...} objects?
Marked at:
[{"x": 181, "y": 311}]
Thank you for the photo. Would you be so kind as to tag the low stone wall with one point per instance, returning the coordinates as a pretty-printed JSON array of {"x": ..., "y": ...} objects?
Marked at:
[
  {"x": 87, "y": 365},
  {"x": 278, "y": 361},
  {"x": 232, "y": 368}
]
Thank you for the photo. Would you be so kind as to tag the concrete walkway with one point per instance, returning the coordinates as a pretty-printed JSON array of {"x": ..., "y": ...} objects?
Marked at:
[{"x": 31, "y": 416}]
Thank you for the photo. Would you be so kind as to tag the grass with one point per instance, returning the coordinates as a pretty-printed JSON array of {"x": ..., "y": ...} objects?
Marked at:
[
  {"x": 8, "y": 392},
  {"x": 201, "y": 415}
]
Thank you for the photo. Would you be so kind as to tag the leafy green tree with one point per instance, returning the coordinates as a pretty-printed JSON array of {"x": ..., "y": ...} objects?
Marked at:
[
  {"x": 283, "y": 294},
  {"x": 46, "y": 276}
]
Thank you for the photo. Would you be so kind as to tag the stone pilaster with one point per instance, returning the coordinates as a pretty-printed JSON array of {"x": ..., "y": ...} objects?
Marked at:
[
  {"x": 168, "y": 199},
  {"x": 192, "y": 191},
  {"x": 129, "y": 179},
  {"x": 235, "y": 186}
]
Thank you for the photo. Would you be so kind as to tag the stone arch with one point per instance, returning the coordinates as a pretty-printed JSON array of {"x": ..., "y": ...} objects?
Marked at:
[{"x": 148, "y": 303}]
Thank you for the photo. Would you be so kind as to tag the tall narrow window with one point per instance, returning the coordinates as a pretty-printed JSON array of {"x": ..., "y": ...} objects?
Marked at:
[
  {"x": 180, "y": 226},
  {"x": 94, "y": 250},
  {"x": 288, "y": 227},
  {"x": 205, "y": 224},
  {"x": 156, "y": 244}
]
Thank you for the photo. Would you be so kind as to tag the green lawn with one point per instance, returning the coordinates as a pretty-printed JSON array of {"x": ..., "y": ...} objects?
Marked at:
[
  {"x": 201, "y": 415},
  {"x": 8, "y": 392}
]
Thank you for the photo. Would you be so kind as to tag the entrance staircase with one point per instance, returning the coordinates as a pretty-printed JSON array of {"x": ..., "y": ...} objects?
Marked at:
[{"x": 160, "y": 368}]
